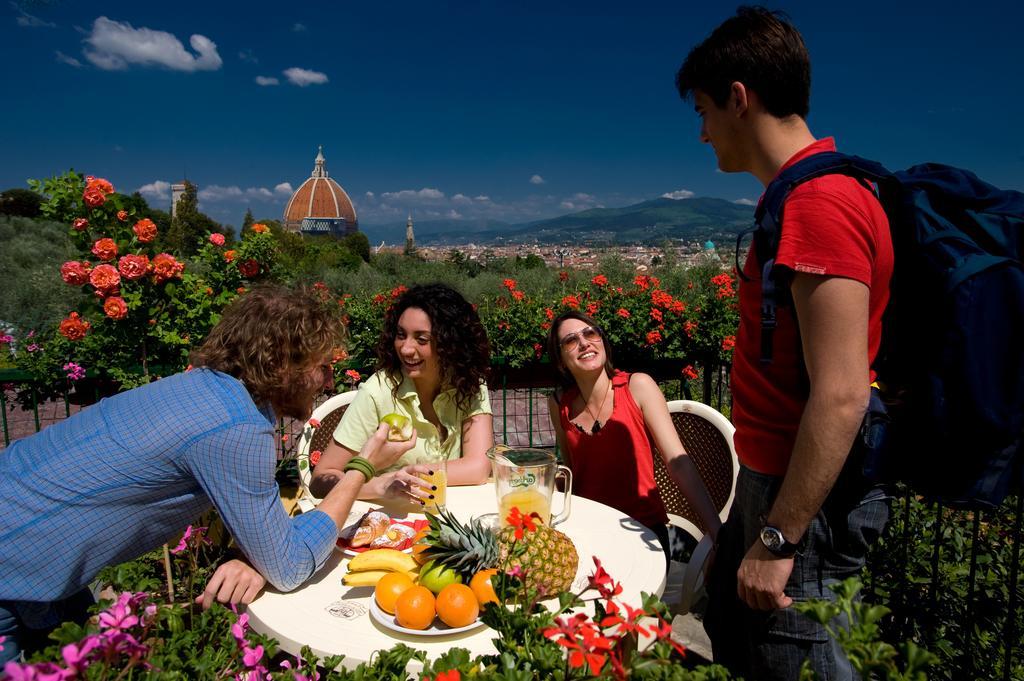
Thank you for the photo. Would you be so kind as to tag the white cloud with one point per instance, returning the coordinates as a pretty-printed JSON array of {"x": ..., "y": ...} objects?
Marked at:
[
  {"x": 746, "y": 202},
  {"x": 216, "y": 192},
  {"x": 453, "y": 214},
  {"x": 412, "y": 194},
  {"x": 678, "y": 194},
  {"x": 284, "y": 189},
  {"x": 266, "y": 80},
  {"x": 248, "y": 56},
  {"x": 536, "y": 179},
  {"x": 461, "y": 198},
  {"x": 370, "y": 196},
  {"x": 304, "y": 77},
  {"x": 158, "y": 190},
  {"x": 26, "y": 20},
  {"x": 113, "y": 45},
  {"x": 298, "y": 28},
  {"x": 70, "y": 61},
  {"x": 482, "y": 198}
]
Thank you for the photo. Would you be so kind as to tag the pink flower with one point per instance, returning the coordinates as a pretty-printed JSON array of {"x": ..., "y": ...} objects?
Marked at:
[
  {"x": 75, "y": 371},
  {"x": 133, "y": 267},
  {"x": 314, "y": 457},
  {"x": 80, "y": 224},
  {"x": 197, "y": 535},
  {"x": 145, "y": 230},
  {"x": 76, "y": 655},
  {"x": 75, "y": 273},
  {"x": 252, "y": 656},
  {"x": 353, "y": 375},
  {"x": 217, "y": 239},
  {"x": 122, "y": 215},
  {"x": 118, "y": 617},
  {"x": 314, "y": 423},
  {"x": 240, "y": 626},
  {"x": 105, "y": 278}
]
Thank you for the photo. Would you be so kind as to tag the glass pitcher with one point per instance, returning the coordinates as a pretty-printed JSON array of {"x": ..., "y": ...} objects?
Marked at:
[{"x": 525, "y": 478}]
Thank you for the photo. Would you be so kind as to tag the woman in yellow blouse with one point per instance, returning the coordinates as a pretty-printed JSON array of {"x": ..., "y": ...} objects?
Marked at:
[{"x": 432, "y": 363}]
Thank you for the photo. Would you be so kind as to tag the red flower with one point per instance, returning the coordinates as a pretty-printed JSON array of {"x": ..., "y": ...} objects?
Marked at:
[
  {"x": 259, "y": 228},
  {"x": 538, "y": 350},
  {"x": 450, "y": 675},
  {"x": 379, "y": 298},
  {"x": 75, "y": 273},
  {"x": 678, "y": 306},
  {"x": 643, "y": 281},
  {"x": 99, "y": 183},
  {"x": 166, "y": 267},
  {"x": 592, "y": 308},
  {"x": 105, "y": 278},
  {"x": 660, "y": 298},
  {"x": 217, "y": 239},
  {"x": 656, "y": 314},
  {"x": 240, "y": 290},
  {"x": 623, "y": 312},
  {"x": 571, "y": 301},
  {"x": 133, "y": 267},
  {"x": 314, "y": 423},
  {"x": 94, "y": 197},
  {"x": 339, "y": 354},
  {"x": 689, "y": 372},
  {"x": 599, "y": 280},
  {"x": 521, "y": 523},
  {"x": 229, "y": 256},
  {"x": 545, "y": 325},
  {"x": 518, "y": 295},
  {"x": 73, "y": 328},
  {"x": 122, "y": 215},
  {"x": 105, "y": 249},
  {"x": 722, "y": 279},
  {"x": 80, "y": 224},
  {"x": 115, "y": 307},
  {"x": 563, "y": 276},
  {"x": 688, "y": 327},
  {"x": 510, "y": 284},
  {"x": 653, "y": 337},
  {"x": 549, "y": 313},
  {"x": 314, "y": 457},
  {"x": 353, "y": 375},
  {"x": 145, "y": 230},
  {"x": 603, "y": 582},
  {"x": 249, "y": 268},
  {"x": 728, "y": 343},
  {"x": 397, "y": 291},
  {"x": 209, "y": 291}
]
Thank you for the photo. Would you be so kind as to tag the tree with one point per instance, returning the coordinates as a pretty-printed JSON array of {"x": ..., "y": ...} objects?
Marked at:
[
  {"x": 20, "y": 202},
  {"x": 358, "y": 244},
  {"x": 247, "y": 222},
  {"x": 189, "y": 227}
]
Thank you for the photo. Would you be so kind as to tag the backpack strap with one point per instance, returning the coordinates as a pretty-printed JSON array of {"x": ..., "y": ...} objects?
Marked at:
[{"x": 768, "y": 224}]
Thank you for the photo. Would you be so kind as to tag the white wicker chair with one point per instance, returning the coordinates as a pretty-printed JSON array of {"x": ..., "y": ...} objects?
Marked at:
[
  {"x": 327, "y": 415},
  {"x": 707, "y": 437}
]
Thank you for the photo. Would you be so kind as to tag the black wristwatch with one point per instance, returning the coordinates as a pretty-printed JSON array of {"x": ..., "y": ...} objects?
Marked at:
[{"x": 776, "y": 543}]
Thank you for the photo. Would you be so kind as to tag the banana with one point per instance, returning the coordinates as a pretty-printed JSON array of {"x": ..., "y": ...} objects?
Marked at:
[
  {"x": 368, "y": 578},
  {"x": 388, "y": 560}
]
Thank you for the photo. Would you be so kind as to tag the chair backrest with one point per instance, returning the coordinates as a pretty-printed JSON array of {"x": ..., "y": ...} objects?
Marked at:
[
  {"x": 313, "y": 439},
  {"x": 707, "y": 437}
]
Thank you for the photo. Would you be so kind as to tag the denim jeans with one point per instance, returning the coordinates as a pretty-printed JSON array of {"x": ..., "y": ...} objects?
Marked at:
[
  {"x": 773, "y": 645},
  {"x": 27, "y": 625}
]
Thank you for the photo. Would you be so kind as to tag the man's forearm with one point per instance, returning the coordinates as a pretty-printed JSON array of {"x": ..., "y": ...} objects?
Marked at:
[
  {"x": 338, "y": 501},
  {"x": 827, "y": 431}
]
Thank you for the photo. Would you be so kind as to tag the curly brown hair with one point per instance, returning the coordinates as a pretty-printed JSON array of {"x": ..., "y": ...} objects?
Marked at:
[
  {"x": 463, "y": 351},
  {"x": 269, "y": 337},
  {"x": 555, "y": 346}
]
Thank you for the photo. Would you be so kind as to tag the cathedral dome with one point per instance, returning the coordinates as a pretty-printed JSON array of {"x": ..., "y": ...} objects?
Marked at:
[{"x": 320, "y": 205}]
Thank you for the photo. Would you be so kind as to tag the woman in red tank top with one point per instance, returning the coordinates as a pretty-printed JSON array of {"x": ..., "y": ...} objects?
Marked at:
[{"x": 605, "y": 423}]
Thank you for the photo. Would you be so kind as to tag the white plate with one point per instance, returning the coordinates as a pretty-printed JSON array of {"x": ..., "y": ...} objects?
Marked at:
[{"x": 439, "y": 628}]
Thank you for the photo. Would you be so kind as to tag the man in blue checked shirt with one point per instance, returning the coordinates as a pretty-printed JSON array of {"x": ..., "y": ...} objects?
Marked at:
[{"x": 125, "y": 476}]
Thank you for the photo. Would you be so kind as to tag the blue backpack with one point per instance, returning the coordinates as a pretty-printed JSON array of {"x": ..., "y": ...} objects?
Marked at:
[{"x": 949, "y": 417}]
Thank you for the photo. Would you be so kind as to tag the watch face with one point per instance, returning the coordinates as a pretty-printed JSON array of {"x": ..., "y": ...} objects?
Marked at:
[{"x": 771, "y": 538}]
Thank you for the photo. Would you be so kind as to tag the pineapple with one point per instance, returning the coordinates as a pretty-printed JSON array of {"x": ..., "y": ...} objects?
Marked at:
[{"x": 549, "y": 560}]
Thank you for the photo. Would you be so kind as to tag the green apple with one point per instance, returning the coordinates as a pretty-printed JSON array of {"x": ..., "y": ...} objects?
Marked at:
[
  {"x": 435, "y": 576},
  {"x": 400, "y": 427}
]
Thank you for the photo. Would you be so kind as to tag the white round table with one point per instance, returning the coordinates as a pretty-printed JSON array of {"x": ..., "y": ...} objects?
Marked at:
[{"x": 334, "y": 619}]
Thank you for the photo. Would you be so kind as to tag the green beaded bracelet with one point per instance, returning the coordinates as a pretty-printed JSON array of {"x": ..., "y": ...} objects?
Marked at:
[{"x": 358, "y": 463}]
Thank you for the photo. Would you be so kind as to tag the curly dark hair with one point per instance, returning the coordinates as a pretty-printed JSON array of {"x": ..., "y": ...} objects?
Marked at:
[
  {"x": 555, "y": 346},
  {"x": 758, "y": 48},
  {"x": 268, "y": 336},
  {"x": 463, "y": 351}
]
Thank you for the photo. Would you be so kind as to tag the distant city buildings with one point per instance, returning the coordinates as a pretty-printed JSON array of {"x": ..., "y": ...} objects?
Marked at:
[{"x": 320, "y": 206}]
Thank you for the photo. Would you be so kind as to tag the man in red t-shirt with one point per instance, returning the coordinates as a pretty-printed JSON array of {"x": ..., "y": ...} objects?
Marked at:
[{"x": 802, "y": 519}]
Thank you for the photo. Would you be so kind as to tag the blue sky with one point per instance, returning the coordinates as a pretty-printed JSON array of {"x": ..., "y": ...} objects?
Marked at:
[{"x": 510, "y": 111}]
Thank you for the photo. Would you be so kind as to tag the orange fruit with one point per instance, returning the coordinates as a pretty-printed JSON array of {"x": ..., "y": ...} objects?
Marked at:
[
  {"x": 389, "y": 588},
  {"x": 457, "y": 606},
  {"x": 482, "y": 587},
  {"x": 418, "y": 547},
  {"x": 414, "y": 609}
]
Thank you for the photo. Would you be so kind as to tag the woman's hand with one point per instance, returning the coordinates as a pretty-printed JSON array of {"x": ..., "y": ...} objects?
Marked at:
[
  {"x": 403, "y": 483},
  {"x": 382, "y": 453},
  {"x": 234, "y": 582}
]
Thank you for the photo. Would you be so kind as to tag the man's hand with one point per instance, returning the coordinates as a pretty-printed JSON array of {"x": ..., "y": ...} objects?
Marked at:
[
  {"x": 382, "y": 453},
  {"x": 762, "y": 577},
  {"x": 234, "y": 582}
]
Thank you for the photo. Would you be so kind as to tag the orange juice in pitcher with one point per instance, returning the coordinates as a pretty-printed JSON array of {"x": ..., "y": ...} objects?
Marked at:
[{"x": 528, "y": 501}]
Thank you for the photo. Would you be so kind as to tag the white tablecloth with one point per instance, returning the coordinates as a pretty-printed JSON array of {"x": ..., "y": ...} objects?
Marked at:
[{"x": 334, "y": 619}]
